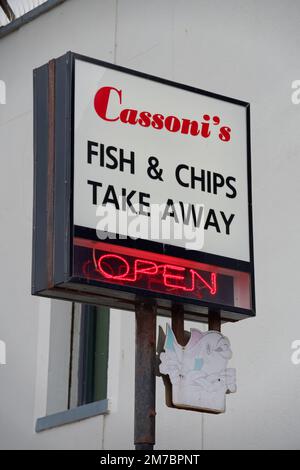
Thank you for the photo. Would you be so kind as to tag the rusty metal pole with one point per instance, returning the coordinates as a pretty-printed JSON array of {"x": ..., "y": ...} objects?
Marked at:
[
  {"x": 214, "y": 320},
  {"x": 145, "y": 364},
  {"x": 178, "y": 323}
]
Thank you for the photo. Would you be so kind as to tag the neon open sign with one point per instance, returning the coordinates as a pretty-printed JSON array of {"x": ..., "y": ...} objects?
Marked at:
[
  {"x": 111, "y": 138},
  {"x": 105, "y": 264},
  {"x": 160, "y": 275},
  {"x": 119, "y": 268}
]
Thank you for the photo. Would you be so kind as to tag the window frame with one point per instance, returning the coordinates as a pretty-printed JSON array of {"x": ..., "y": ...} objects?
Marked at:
[
  {"x": 17, "y": 23},
  {"x": 93, "y": 340},
  {"x": 93, "y": 354}
]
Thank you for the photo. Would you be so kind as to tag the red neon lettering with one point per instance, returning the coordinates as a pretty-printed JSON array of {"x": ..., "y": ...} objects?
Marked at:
[
  {"x": 213, "y": 277},
  {"x": 150, "y": 268},
  {"x": 168, "y": 277},
  {"x": 109, "y": 275},
  {"x": 101, "y": 102}
]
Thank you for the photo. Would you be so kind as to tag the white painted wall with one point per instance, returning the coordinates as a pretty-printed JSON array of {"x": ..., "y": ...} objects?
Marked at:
[{"x": 248, "y": 50}]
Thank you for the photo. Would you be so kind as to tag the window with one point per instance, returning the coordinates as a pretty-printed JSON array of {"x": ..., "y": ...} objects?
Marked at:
[
  {"x": 93, "y": 354},
  {"x": 88, "y": 362},
  {"x": 77, "y": 364},
  {"x": 15, "y": 13}
]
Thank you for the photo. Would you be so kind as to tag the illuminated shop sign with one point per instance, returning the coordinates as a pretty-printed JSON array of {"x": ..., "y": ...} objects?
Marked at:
[
  {"x": 142, "y": 187},
  {"x": 189, "y": 280}
]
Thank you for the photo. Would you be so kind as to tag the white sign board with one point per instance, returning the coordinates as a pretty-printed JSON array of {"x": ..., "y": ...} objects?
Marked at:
[{"x": 141, "y": 143}]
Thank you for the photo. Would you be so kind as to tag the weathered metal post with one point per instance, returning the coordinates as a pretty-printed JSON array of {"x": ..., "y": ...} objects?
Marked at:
[
  {"x": 145, "y": 364},
  {"x": 214, "y": 320},
  {"x": 178, "y": 323}
]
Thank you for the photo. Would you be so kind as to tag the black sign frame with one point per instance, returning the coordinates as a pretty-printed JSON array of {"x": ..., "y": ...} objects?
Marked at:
[{"x": 52, "y": 276}]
